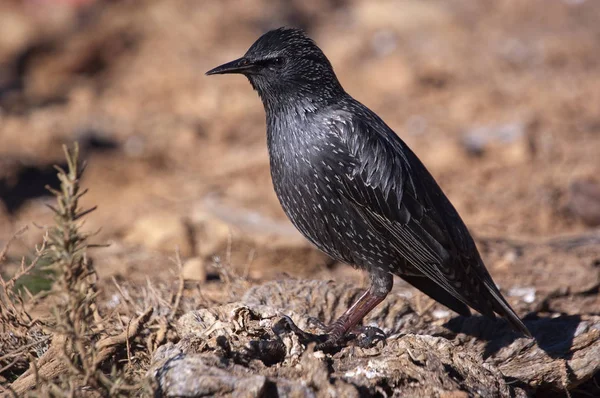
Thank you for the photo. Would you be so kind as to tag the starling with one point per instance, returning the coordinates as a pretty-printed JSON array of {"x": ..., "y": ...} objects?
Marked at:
[{"x": 355, "y": 190}]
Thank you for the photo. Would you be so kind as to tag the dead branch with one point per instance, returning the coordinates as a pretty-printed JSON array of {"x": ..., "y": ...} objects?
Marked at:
[{"x": 109, "y": 345}]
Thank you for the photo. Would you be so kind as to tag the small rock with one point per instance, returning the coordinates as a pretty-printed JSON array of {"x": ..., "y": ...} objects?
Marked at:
[
  {"x": 212, "y": 233},
  {"x": 440, "y": 313},
  {"x": 508, "y": 260},
  {"x": 416, "y": 125},
  {"x": 584, "y": 201},
  {"x": 135, "y": 146},
  {"x": 163, "y": 232},
  {"x": 195, "y": 375},
  {"x": 384, "y": 42},
  {"x": 194, "y": 270},
  {"x": 526, "y": 293},
  {"x": 510, "y": 141}
]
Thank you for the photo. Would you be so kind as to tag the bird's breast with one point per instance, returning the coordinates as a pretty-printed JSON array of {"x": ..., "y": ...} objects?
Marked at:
[{"x": 308, "y": 174}]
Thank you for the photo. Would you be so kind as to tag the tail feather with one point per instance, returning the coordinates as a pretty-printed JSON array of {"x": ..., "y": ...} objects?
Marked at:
[
  {"x": 436, "y": 292},
  {"x": 487, "y": 306},
  {"x": 501, "y": 306}
]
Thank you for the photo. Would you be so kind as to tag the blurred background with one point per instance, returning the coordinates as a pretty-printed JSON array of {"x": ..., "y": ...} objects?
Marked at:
[{"x": 500, "y": 99}]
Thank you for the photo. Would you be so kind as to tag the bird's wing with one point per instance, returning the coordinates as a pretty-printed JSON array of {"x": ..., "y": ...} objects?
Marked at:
[{"x": 395, "y": 194}]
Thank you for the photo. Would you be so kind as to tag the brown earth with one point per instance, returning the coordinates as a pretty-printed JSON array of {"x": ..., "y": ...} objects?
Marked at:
[{"x": 500, "y": 99}]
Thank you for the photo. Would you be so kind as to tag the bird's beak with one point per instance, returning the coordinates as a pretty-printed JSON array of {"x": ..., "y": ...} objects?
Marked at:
[{"x": 241, "y": 65}]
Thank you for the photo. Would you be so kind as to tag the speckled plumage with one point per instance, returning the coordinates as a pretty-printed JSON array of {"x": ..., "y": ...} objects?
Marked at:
[{"x": 354, "y": 189}]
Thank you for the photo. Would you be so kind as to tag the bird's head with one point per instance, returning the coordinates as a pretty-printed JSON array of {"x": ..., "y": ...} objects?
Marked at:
[{"x": 285, "y": 63}]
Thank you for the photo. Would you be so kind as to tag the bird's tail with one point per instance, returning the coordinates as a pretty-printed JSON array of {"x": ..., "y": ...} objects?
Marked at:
[{"x": 502, "y": 308}]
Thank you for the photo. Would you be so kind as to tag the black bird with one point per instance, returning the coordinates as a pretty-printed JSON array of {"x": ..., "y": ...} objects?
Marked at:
[{"x": 355, "y": 190}]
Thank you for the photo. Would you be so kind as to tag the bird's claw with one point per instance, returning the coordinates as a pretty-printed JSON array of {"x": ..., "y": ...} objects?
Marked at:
[
  {"x": 363, "y": 336},
  {"x": 286, "y": 324},
  {"x": 368, "y": 336},
  {"x": 317, "y": 323}
]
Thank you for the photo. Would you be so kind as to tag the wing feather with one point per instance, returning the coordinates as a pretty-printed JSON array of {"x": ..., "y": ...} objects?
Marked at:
[{"x": 395, "y": 195}]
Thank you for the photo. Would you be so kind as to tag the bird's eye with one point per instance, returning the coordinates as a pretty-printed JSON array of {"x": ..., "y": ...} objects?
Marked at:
[{"x": 277, "y": 61}]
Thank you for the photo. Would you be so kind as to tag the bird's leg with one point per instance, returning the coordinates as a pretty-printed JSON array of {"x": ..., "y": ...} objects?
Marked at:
[{"x": 381, "y": 285}]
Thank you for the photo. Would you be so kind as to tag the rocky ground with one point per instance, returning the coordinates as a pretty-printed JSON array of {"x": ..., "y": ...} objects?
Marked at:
[{"x": 499, "y": 99}]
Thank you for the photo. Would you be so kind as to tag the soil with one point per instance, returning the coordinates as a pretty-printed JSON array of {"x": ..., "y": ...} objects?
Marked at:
[{"x": 499, "y": 99}]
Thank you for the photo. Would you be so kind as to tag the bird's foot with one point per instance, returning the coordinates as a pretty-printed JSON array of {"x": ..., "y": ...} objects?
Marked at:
[
  {"x": 332, "y": 340},
  {"x": 362, "y": 336}
]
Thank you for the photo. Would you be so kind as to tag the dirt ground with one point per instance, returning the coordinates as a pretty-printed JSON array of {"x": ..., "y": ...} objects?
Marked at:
[{"x": 499, "y": 99}]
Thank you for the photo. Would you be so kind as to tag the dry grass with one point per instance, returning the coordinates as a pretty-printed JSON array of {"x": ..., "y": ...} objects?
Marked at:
[
  {"x": 80, "y": 349},
  {"x": 89, "y": 345}
]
